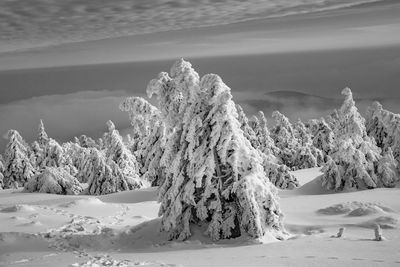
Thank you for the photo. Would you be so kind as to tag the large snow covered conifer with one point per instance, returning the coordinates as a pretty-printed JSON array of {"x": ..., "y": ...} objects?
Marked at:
[
  {"x": 18, "y": 166},
  {"x": 214, "y": 177}
]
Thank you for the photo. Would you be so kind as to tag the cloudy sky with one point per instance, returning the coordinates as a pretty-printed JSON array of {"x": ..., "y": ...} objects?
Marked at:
[{"x": 298, "y": 64}]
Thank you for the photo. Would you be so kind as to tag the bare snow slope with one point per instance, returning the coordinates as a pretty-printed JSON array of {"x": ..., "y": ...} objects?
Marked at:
[{"x": 122, "y": 230}]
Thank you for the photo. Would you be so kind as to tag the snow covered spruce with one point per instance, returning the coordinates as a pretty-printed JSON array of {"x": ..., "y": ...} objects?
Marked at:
[
  {"x": 54, "y": 180},
  {"x": 214, "y": 178},
  {"x": 256, "y": 131},
  {"x": 18, "y": 165}
]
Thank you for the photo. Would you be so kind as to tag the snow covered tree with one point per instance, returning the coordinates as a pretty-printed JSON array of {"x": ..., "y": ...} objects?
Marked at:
[
  {"x": 39, "y": 146},
  {"x": 54, "y": 180},
  {"x": 53, "y": 155},
  {"x": 384, "y": 126},
  {"x": 38, "y": 154},
  {"x": 85, "y": 141},
  {"x": 75, "y": 158},
  {"x": 388, "y": 169},
  {"x": 1, "y": 172},
  {"x": 214, "y": 177},
  {"x": 284, "y": 137},
  {"x": 355, "y": 156},
  {"x": 142, "y": 115},
  {"x": 247, "y": 130},
  {"x": 307, "y": 156},
  {"x": 278, "y": 174},
  {"x": 18, "y": 166},
  {"x": 105, "y": 176},
  {"x": 150, "y": 135},
  {"x": 43, "y": 139},
  {"x": 260, "y": 126},
  {"x": 322, "y": 135},
  {"x": 333, "y": 119},
  {"x": 117, "y": 152}
]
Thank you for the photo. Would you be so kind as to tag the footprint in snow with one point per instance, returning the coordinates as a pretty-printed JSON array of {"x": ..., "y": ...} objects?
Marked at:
[{"x": 333, "y": 258}]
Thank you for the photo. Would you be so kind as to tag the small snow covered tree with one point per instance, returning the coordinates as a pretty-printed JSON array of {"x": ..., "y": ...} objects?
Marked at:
[
  {"x": 388, "y": 169},
  {"x": 43, "y": 139},
  {"x": 117, "y": 152},
  {"x": 333, "y": 119},
  {"x": 322, "y": 135},
  {"x": 1, "y": 172},
  {"x": 39, "y": 147},
  {"x": 18, "y": 166},
  {"x": 278, "y": 174},
  {"x": 85, "y": 141},
  {"x": 354, "y": 153},
  {"x": 267, "y": 145},
  {"x": 384, "y": 126},
  {"x": 54, "y": 180},
  {"x": 247, "y": 130},
  {"x": 38, "y": 154},
  {"x": 307, "y": 156},
  {"x": 150, "y": 134},
  {"x": 53, "y": 155},
  {"x": 284, "y": 137},
  {"x": 105, "y": 177},
  {"x": 75, "y": 158},
  {"x": 214, "y": 177}
]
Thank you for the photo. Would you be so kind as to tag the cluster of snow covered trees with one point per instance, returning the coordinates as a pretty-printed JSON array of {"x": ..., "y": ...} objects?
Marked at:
[
  {"x": 355, "y": 161},
  {"x": 84, "y": 166}
]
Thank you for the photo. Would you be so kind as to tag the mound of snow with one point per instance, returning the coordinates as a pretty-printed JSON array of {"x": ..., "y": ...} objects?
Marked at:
[
  {"x": 355, "y": 208},
  {"x": 18, "y": 208},
  {"x": 54, "y": 180},
  {"x": 385, "y": 222},
  {"x": 82, "y": 202},
  {"x": 32, "y": 223}
]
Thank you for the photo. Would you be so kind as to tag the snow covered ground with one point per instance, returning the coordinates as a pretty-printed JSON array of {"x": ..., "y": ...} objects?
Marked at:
[{"x": 122, "y": 230}]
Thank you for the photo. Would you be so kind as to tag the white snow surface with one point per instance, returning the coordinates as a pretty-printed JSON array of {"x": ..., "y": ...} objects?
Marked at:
[{"x": 122, "y": 229}]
